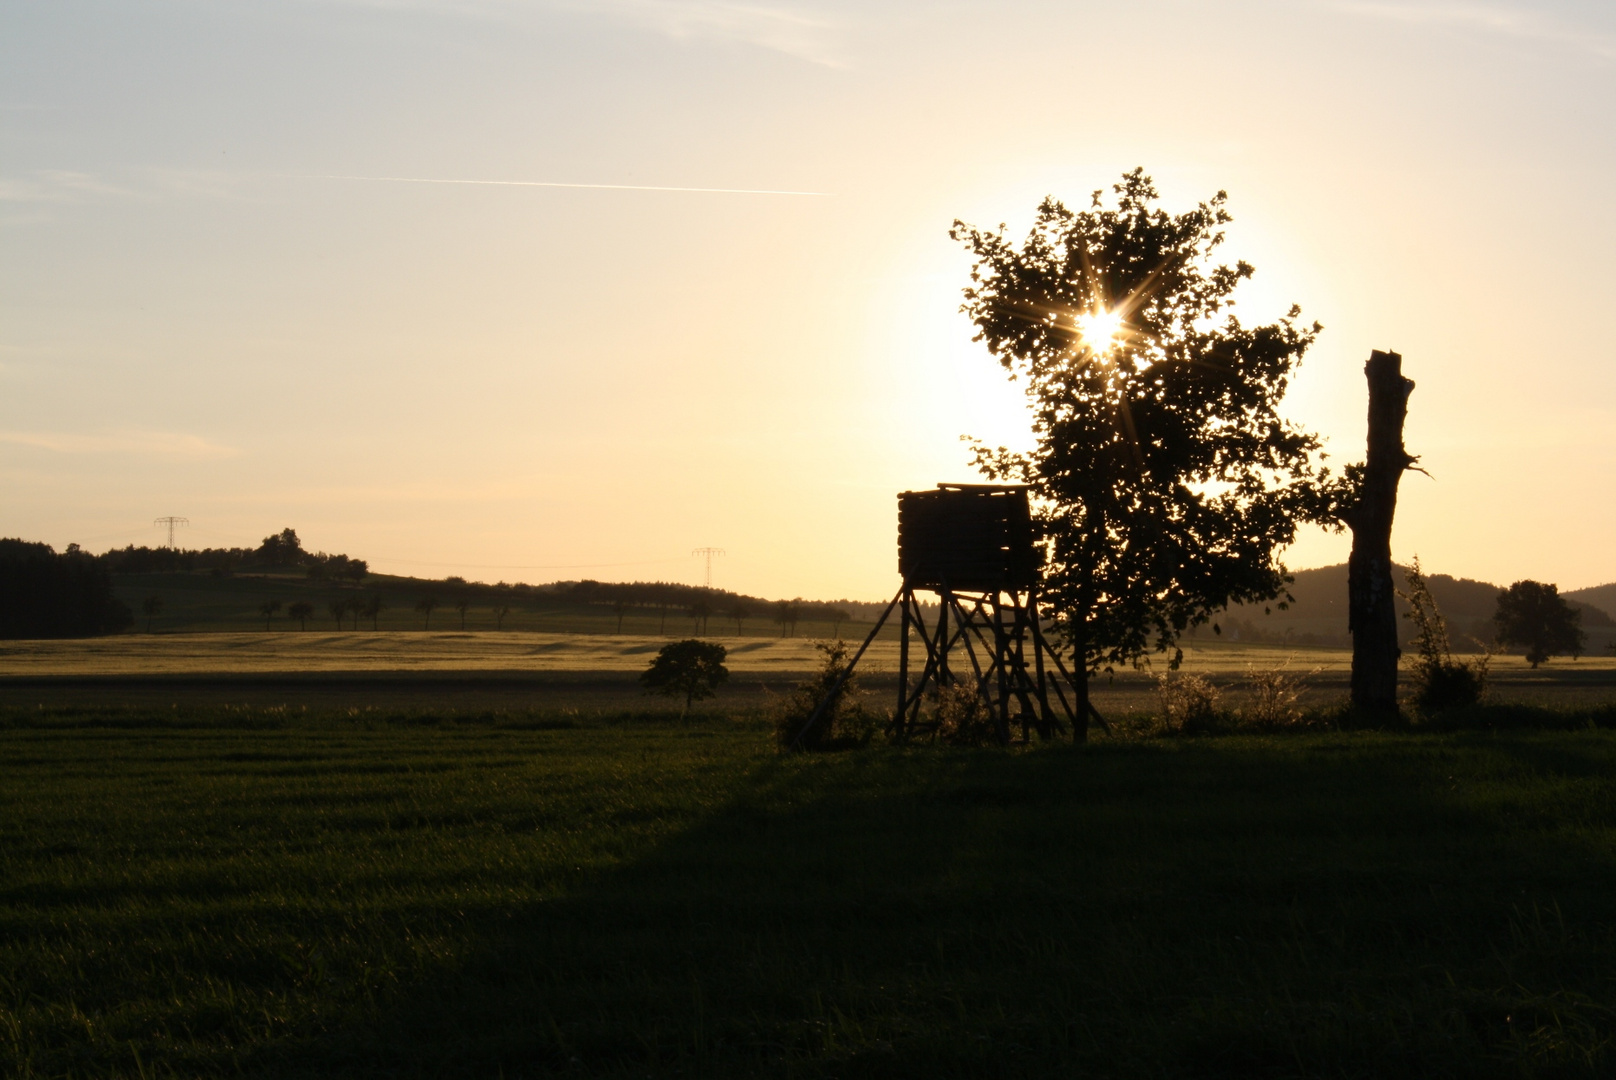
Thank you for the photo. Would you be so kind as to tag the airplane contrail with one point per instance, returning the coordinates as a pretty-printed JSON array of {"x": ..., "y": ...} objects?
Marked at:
[{"x": 555, "y": 184}]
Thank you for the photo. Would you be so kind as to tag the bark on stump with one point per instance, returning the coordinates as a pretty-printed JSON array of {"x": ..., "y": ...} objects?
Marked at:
[{"x": 1372, "y": 616}]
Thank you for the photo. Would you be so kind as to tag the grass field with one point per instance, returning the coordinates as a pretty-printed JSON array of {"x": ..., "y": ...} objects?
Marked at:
[
  {"x": 595, "y": 672},
  {"x": 198, "y": 891}
]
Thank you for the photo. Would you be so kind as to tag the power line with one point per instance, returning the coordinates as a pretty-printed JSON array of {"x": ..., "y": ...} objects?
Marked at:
[
  {"x": 709, "y": 552},
  {"x": 171, "y": 522}
]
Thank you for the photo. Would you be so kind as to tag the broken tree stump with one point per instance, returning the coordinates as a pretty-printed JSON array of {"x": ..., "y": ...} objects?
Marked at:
[{"x": 1372, "y": 615}]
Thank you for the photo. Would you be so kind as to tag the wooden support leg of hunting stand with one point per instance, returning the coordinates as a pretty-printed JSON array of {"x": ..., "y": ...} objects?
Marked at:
[{"x": 1372, "y": 617}]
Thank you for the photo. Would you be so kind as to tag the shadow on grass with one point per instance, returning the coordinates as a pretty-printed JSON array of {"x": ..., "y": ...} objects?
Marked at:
[{"x": 1330, "y": 906}]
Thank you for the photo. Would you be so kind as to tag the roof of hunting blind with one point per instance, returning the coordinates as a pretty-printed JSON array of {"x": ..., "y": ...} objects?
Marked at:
[{"x": 967, "y": 537}]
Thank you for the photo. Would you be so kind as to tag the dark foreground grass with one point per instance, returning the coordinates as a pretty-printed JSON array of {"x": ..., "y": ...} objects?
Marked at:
[{"x": 249, "y": 892}]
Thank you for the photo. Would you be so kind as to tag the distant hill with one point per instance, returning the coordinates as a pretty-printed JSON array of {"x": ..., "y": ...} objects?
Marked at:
[
  {"x": 1602, "y": 597},
  {"x": 280, "y": 585},
  {"x": 1319, "y": 614}
]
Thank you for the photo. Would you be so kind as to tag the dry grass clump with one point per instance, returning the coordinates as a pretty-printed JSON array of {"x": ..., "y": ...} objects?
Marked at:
[
  {"x": 963, "y": 716},
  {"x": 1440, "y": 681},
  {"x": 1273, "y": 701},
  {"x": 1189, "y": 704},
  {"x": 1270, "y": 701}
]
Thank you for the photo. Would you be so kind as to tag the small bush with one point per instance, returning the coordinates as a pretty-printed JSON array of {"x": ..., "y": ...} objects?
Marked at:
[
  {"x": 963, "y": 716},
  {"x": 1189, "y": 704},
  {"x": 1440, "y": 681},
  {"x": 1273, "y": 704},
  {"x": 842, "y": 723}
]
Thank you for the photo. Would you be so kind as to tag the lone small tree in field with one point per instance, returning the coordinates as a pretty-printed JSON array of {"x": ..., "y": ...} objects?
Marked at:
[
  {"x": 1166, "y": 480},
  {"x": 461, "y": 605},
  {"x": 621, "y": 607},
  {"x": 426, "y": 606},
  {"x": 338, "y": 609},
  {"x": 268, "y": 609},
  {"x": 503, "y": 609},
  {"x": 739, "y": 611},
  {"x": 151, "y": 607},
  {"x": 1535, "y": 617},
  {"x": 373, "y": 610},
  {"x": 302, "y": 611},
  {"x": 691, "y": 667},
  {"x": 837, "y": 618}
]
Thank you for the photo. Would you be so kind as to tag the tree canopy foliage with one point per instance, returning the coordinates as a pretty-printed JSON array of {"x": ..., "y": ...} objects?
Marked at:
[
  {"x": 45, "y": 594},
  {"x": 1166, "y": 480},
  {"x": 1534, "y": 617},
  {"x": 691, "y": 668}
]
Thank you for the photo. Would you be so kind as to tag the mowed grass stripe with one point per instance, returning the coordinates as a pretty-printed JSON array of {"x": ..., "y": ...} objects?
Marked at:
[{"x": 649, "y": 898}]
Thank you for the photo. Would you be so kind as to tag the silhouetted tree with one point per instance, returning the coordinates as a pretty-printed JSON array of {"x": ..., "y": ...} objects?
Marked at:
[
  {"x": 282, "y": 549},
  {"x": 268, "y": 609},
  {"x": 740, "y": 611},
  {"x": 302, "y": 611},
  {"x": 356, "y": 608},
  {"x": 338, "y": 609},
  {"x": 461, "y": 605},
  {"x": 662, "y": 610},
  {"x": 43, "y": 594},
  {"x": 692, "y": 668},
  {"x": 355, "y": 570},
  {"x": 787, "y": 613},
  {"x": 501, "y": 610},
  {"x": 373, "y": 610},
  {"x": 1167, "y": 481},
  {"x": 700, "y": 609},
  {"x": 837, "y": 617},
  {"x": 621, "y": 607},
  {"x": 151, "y": 607},
  {"x": 426, "y": 606},
  {"x": 1534, "y": 617}
]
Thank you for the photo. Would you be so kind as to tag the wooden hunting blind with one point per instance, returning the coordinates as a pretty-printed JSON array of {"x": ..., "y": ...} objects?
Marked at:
[
  {"x": 975, "y": 537},
  {"x": 972, "y": 546}
]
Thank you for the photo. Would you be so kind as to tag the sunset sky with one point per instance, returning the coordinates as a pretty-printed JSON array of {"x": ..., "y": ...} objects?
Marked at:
[{"x": 212, "y": 304}]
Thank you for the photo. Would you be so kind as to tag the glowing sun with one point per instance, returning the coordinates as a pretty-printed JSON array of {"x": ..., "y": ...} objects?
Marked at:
[{"x": 1100, "y": 329}]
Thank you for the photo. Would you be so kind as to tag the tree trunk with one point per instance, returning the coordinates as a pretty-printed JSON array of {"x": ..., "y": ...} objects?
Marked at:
[
  {"x": 1080, "y": 688},
  {"x": 1372, "y": 617}
]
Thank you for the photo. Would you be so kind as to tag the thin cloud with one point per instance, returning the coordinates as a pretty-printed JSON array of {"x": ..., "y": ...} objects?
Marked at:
[
  {"x": 57, "y": 186},
  {"x": 1494, "y": 19},
  {"x": 171, "y": 445},
  {"x": 782, "y": 28},
  {"x": 776, "y": 27},
  {"x": 557, "y": 184}
]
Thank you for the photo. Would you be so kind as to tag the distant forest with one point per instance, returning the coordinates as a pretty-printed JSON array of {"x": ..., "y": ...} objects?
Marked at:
[
  {"x": 284, "y": 551},
  {"x": 50, "y": 595},
  {"x": 71, "y": 594}
]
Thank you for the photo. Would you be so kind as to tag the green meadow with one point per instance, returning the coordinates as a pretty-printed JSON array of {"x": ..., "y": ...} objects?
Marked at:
[{"x": 423, "y": 890}]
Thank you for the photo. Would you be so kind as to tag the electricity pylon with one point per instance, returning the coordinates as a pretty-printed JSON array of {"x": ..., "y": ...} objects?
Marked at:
[
  {"x": 709, "y": 552},
  {"x": 171, "y": 522}
]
